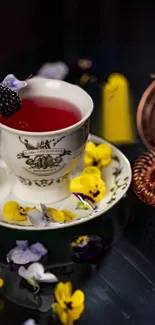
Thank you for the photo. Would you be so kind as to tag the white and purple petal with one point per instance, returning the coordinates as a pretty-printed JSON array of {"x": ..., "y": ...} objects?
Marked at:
[
  {"x": 37, "y": 219},
  {"x": 18, "y": 256},
  {"x": 23, "y": 254},
  {"x": 36, "y": 271},
  {"x": 28, "y": 273},
  {"x": 21, "y": 257},
  {"x": 57, "y": 70},
  {"x": 13, "y": 83}
]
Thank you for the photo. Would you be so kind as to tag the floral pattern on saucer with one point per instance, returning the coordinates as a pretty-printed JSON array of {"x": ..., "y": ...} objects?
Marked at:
[{"x": 76, "y": 208}]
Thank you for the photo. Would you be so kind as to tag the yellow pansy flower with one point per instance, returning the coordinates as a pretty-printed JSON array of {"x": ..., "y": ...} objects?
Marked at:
[
  {"x": 68, "y": 307},
  {"x": 89, "y": 184},
  {"x": 61, "y": 216},
  {"x": 1, "y": 282},
  {"x": 13, "y": 211},
  {"x": 97, "y": 155}
]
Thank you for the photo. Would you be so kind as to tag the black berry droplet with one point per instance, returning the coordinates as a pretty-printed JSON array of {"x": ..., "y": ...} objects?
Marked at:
[{"x": 10, "y": 102}]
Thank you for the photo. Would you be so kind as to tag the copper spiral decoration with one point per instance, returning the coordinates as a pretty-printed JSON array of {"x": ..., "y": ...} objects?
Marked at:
[{"x": 144, "y": 177}]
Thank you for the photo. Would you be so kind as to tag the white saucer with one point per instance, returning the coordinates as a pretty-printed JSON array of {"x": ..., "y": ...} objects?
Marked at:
[{"x": 117, "y": 177}]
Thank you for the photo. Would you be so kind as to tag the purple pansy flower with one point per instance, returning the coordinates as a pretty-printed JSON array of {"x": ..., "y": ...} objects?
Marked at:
[
  {"x": 13, "y": 83},
  {"x": 57, "y": 70},
  {"x": 30, "y": 322},
  {"x": 23, "y": 253},
  {"x": 88, "y": 249}
]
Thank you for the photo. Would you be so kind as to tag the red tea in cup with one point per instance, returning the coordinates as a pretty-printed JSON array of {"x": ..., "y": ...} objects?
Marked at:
[{"x": 43, "y": 114}]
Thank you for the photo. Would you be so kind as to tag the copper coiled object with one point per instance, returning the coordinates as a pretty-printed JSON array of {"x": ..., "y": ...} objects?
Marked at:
[{"x": 144, "y": 177}]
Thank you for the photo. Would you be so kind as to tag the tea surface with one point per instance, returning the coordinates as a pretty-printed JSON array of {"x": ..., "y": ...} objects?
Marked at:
[{"x": 43, "y": 114}]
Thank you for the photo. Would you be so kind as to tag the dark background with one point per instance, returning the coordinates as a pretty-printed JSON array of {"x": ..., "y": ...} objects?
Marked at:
[{"x": 118, "y": 35}]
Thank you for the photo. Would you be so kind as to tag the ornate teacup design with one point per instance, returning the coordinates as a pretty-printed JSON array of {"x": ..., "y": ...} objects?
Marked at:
[{"x": 43, "y": 161}]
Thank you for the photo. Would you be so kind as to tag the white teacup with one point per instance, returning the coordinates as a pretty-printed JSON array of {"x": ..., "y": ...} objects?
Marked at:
[{"x": 43, "y": 161}]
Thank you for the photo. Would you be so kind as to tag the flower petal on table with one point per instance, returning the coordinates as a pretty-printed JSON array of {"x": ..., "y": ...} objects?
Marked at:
[
  {"x": 38, "y": 248},
  {"x": 63, "y": 292},
  {"x": 49, "y": 278},
  {"x": 26, "y": 273},
  {"x": 37, "y": 268},
  {"x": 33, "y": 256},
  {"x": 36, "y": 271},
  {"x": 23, "y": 255},
  {"x": 18, "y": 256},
  {"x": 23, "y": 244},
  {"x": 77, "y": 298}
]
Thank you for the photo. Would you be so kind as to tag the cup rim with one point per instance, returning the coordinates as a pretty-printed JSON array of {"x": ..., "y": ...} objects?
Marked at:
[{"x": 57, "y": 132}]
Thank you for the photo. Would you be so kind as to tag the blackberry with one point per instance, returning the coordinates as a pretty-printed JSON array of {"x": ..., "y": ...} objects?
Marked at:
[{"x": 9, "y": 101}]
